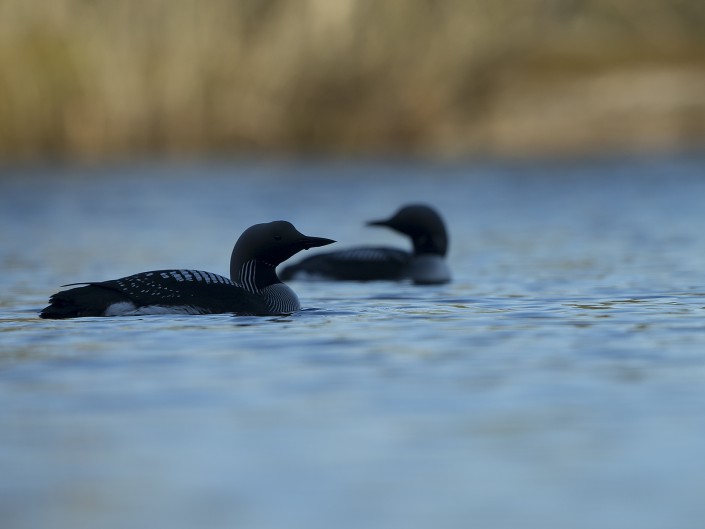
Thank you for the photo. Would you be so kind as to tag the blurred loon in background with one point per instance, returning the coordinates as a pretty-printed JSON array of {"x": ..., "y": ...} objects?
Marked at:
[
  {"x": 425, "y": 265},
  {"x": 253, "y": 288}
]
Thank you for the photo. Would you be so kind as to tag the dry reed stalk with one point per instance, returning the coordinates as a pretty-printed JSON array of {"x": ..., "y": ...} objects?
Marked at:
[{"x": 95, "y": 79}]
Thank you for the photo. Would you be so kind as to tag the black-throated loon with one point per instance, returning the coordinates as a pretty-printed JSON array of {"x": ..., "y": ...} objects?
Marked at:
[
  {"x": 425, "y": 265},
  {"x": 253, "y": 288}
]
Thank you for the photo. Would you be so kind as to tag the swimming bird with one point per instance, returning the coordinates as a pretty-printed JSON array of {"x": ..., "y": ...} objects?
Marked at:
[
  {"x": 253, "y": 288},
  {"x": 425, "y": 265}
]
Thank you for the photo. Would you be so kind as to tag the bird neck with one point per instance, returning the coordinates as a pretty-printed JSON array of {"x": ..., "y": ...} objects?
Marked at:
[
  {"x": 427, "y": 245},
  {"x": 253, "y": 275}
]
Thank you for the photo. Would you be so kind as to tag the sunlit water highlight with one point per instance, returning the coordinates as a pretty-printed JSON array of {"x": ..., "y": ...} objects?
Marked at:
[{"x": 559, "y": 381}]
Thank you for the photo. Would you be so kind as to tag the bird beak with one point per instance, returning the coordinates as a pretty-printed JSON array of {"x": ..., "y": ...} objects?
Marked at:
[
  {"x": 384, "y": 222},
  {"x": 314, "y": 242}
]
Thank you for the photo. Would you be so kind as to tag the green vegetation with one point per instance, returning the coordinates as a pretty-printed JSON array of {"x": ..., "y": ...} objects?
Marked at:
[{"x": 93, "y": 79}]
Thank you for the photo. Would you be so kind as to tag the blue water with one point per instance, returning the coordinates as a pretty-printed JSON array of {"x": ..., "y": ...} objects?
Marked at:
[{"x": 558, "y": 381}]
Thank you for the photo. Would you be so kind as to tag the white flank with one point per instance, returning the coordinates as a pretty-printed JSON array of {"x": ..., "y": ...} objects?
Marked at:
[
  {"x": 305, "y": 275},
  {"x": 429, "y": 269},
  {"x": 126, "y": 308},
  {"x": 119, "y": 309},
  {"x": 161, "y": 309}
]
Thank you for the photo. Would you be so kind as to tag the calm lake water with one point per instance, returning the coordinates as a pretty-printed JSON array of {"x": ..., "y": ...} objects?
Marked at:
[{"x": 558, "y": 381}]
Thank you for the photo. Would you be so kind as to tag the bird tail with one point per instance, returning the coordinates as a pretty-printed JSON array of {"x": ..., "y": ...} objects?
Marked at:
[{"x": 79, "y": 302}]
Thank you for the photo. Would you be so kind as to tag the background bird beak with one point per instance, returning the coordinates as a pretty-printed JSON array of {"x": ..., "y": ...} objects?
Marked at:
[
  {"x": 313, "y": 242},
  {"x": 384, "y": 222}
]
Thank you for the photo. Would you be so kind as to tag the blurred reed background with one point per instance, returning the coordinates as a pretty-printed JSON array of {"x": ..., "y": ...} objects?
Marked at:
[{"x": 84, "y": 79}]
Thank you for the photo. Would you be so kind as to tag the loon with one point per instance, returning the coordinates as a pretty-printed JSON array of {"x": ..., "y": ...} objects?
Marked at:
[
  {"x": 425, "y": 266},
  {"x": 253, "y": 287}
]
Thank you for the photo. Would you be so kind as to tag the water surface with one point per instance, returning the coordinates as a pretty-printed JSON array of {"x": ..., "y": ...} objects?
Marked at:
[{"x": 558, "y": 381}]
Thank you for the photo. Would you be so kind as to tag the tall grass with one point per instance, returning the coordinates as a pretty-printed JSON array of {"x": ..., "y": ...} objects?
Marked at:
[{"x": 90, "y": 79}]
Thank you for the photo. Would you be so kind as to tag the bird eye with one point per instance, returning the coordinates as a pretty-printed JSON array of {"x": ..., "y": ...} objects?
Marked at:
[{"x": 277, "y": 237}]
